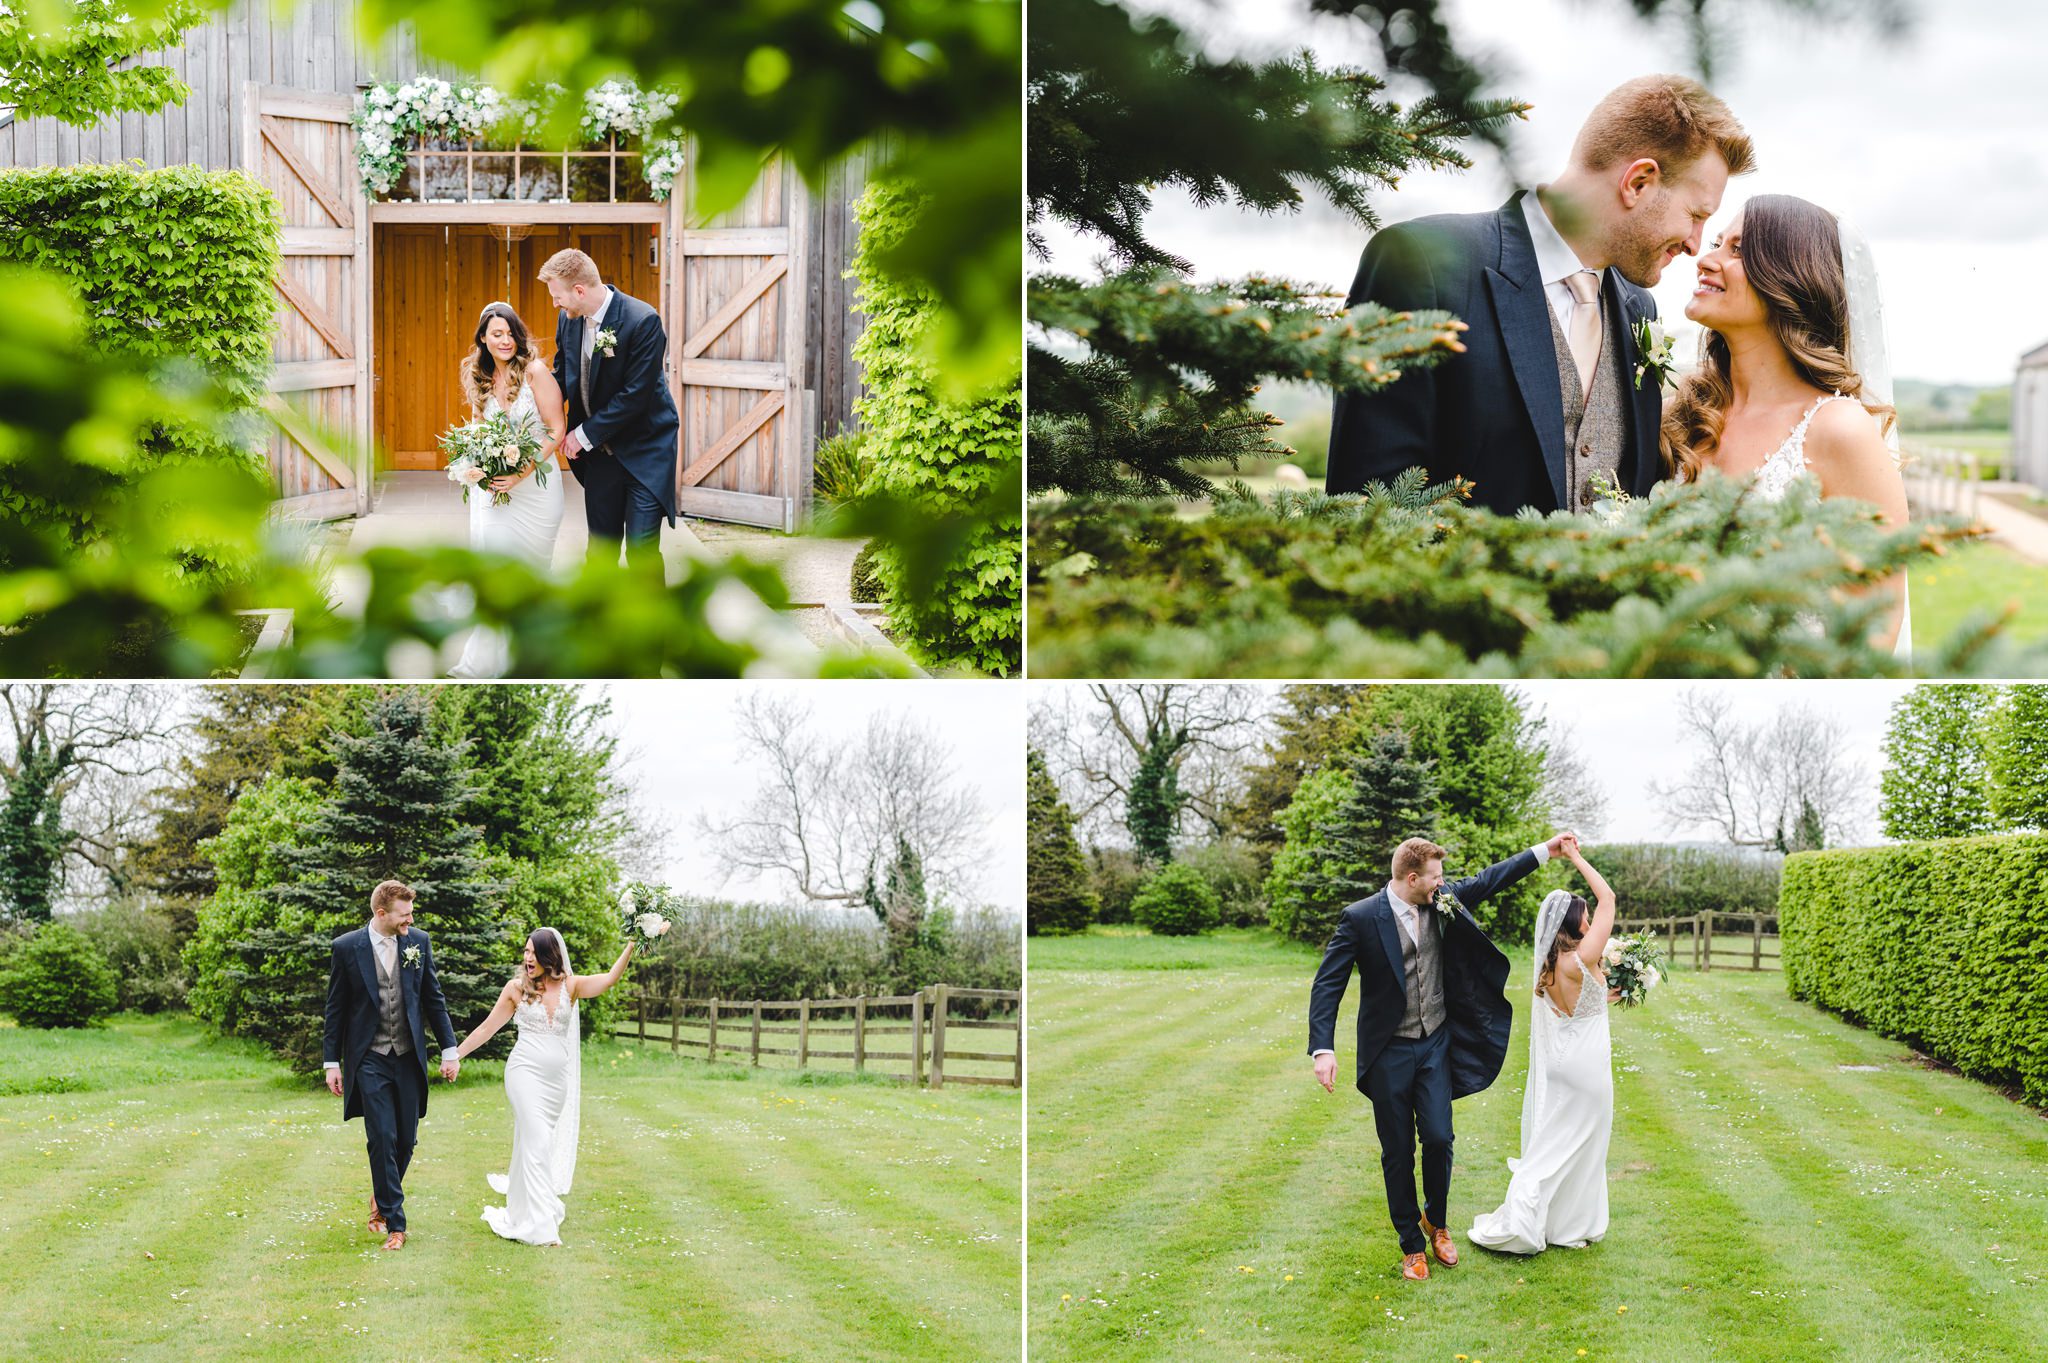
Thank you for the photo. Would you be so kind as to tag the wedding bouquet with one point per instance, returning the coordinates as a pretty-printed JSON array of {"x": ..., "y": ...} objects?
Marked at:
[
  {"x": 490, "y": 447},
  {"x": 645, "y": 926},
  {"x": 1634, "y": 966}
]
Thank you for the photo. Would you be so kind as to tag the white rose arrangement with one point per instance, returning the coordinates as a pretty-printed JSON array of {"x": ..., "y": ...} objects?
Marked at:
[
  {"x": 1634, "y": 966},
  {"x": 645, "y": 926},
  {"x": 493, "y": 447}
]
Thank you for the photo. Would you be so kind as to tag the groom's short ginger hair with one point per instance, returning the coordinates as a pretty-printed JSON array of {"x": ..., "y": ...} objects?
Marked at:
[
  {"x": 1674, "y": 120},
  {"x": 1412, "y": 857},
  {"x": 572, "y": 267},
  {"x": 389, "y": 893}
]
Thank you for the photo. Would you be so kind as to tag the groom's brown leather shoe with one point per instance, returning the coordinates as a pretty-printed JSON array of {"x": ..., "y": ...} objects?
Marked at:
[
  {"x": 1440, "y": 1241},
  {"x": 376, "y": 1224},
  {"x": 1415, "y": 1267},
  {"x": 395, "y": 1240}
]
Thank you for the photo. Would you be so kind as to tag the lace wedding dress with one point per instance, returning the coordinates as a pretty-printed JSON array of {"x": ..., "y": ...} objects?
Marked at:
[
  {"x": 1786, "y": 465},
  {"x": 544, "y": 1084},
  {"x": 1557, "y": 1190},
  {"x": 524, "y": 528}
]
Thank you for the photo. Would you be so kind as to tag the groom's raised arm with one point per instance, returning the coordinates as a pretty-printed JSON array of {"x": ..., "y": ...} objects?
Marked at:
[
  {"x": 1332, "y": 978},
  {"x": 1497, "y": 877},
  {"x": 641, "y": 349},
  {"x": 1374, "y": 436}
]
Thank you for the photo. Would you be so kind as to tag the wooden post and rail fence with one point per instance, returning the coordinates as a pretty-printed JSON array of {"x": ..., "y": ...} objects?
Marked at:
[
  {"x": 916, "y": 1033},
  {"x": 1729, "y": 940}
]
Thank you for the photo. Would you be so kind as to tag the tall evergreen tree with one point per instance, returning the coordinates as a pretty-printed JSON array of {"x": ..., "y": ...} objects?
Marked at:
[
  {"x": 1936, "y": 781},
  {"x": 1313, "y": 722},
  {"x": 2019, "y": 757},
  {"x": 394, "y": 811},
  {"x": 1343, "y": 827},
  {"x": 1059, "y": 894}
]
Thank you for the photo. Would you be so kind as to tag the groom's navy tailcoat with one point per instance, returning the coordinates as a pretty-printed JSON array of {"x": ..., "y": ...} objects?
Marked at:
[
  {"x": 352, "y": 994},
  {"x": 1493, "y": 415},
  {"x": 631, "y": 417},
  {"x": 1475, "y": 978}
]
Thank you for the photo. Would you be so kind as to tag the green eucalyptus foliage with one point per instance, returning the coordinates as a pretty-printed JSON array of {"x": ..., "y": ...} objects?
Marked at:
[
  {"x": 1694, "y": 580},
  {"x": 1942, "y": 945},
  {"x": 944, "y": 485}
]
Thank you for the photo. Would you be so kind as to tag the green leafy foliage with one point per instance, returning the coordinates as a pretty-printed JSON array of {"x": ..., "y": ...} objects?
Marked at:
[
  {"x": 1942, "y": 945},
  {"x": 2018, "y": 758},
  {"x": 1118, "y": 872},
  {"x": 140, "y": 944},
  {"x": 1237, "y": 873},
  {"x": 839, "y": 468},
  {"x": 1936, "y": 764},
  {"x": 77, "y": 69},
  {"x": 1655, "y": 880},
  {"x": 58, "y": 979},
  {"x": 1058, "y": 895},
  {"x": 1695, "y": 580},
  {"x": 943, "y": 486},
  {"x": 1176, "y": 902},
  {"x": 1342, "y": 829},
  {"x": 1153, "y": 805},
  {"x": 33, "y": 838}
]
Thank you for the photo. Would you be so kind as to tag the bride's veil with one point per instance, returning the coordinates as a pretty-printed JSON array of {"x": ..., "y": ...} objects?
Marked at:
[
  {"x": 1549, "y": 919},
  {"x": 1868, "y": 355},
  {"x": 562, "y": 1160}
]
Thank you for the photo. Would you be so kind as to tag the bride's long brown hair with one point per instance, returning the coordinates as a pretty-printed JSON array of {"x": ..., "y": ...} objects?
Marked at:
[
  {"x": 1571, "y": 930},
  {"x": 480, "y": 366},
  {"x": 1792, "y": 258}
]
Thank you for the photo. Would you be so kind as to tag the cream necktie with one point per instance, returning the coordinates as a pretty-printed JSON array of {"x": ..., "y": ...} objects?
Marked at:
[{"x": 1585, "y": 329}]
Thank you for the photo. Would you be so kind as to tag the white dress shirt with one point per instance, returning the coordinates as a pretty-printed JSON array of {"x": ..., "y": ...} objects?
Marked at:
[
  {"x": 1555, "y": 260},
  {"x": 591, "y": 326},
  {"x": 1404, "y": 912}
]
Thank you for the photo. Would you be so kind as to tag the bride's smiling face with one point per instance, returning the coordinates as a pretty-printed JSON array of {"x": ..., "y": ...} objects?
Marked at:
[
  {"x": 498, "y": 340},
  {"x": 1722, "y": 297}
]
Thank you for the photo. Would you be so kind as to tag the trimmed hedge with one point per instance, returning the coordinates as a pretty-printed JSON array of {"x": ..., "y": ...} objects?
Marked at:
[
  {"x": 1657, "y": 880},
  {"x": 173, "y": 267},
  {"x": 1942, "y": 945}
]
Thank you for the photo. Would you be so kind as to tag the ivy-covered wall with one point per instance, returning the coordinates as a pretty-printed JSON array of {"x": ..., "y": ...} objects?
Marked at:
[{"x": 942, "y": 456}]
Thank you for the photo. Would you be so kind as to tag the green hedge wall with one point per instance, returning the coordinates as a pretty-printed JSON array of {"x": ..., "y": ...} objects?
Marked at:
[
  {"x": 1943, "y": 945},
  {"x": 173, "y": 267}
]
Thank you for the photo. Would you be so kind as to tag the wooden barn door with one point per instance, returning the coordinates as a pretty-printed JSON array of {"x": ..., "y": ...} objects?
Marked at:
[
  {"x": 301, "y": 146},
  {"x": 433, "y": 279},
  {"x": 742, "y": 395}
]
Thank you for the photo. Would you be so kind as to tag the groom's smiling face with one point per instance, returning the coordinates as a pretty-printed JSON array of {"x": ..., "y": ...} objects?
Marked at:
[{"x": 1667, "y": 218}]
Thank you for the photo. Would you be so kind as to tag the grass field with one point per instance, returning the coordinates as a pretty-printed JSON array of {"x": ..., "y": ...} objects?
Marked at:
[
  {"x": 1980, "y": 577},
  {"x": 169, "y": 1196},
  {"x": 1783, "y": 1186}
]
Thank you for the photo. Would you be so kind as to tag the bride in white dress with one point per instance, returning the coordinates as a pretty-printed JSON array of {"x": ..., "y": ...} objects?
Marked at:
[
  {"x": 1795, "y": 379},
  {"x": 503, "y": 374},
  {"x": 543, "y": 1083},
  {"x": 1557, "y": 1192}
]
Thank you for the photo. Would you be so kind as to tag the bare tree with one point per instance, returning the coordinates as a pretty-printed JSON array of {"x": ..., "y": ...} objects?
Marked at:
[
  {"x": 1095, "y": 741},
  {"x": 78, "y": 772},
  {"x": 1573, "y": 791},
  {"x": 1785, "y": 782},
  {"x": 828, "y": 811}
]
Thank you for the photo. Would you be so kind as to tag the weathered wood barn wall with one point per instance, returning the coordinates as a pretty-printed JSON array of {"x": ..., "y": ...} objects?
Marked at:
[{"x": 249, "y": 53}]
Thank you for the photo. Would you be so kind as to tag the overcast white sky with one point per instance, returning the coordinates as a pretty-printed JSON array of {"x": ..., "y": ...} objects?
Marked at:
[
  {"x": 1936, "y": 147},
  {"x": 688, "y": 759}
]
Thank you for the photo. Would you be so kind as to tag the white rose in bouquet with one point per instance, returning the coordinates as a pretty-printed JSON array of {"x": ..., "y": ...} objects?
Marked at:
[{"x": 651, "y": 925}]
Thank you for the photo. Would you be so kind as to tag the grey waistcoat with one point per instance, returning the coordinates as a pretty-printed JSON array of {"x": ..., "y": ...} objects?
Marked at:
[
  {"x": 1595, "y": 423},
  {"x": 393, "y": 1036},
  {"x": 1422, "y": 966}
]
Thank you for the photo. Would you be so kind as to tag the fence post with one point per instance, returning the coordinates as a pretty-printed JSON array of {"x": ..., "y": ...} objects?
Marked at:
[
  {"x": 917, "y": 1037},
  {"x": 938, "y": 1036},
  {"x": 643, "y": 1015},
  {"x": 1017, "y": 1076},
  {"x": 757, "y": 1034},
  {"x": 803, "y": 1034},
  {"x": 1756, "y": 945},
  {"x": 712, "y": 1052},
  {"x": 675, "y": 1025},
  {"x": 1707, "y": 942},
  {"x": 860, "y": 1035}
]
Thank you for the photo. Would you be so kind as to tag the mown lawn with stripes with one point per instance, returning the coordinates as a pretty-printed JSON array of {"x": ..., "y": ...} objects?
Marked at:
[
  {"x": 169, "y": 1196},
  {"x": 1783, "y": 1186}
]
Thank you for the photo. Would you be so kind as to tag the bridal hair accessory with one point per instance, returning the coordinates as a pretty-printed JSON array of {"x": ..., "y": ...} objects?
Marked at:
[{"x": 494, "y": 304}]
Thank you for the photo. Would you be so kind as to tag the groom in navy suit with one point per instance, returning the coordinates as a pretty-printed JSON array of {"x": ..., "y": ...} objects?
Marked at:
[
  {"x": 381, "y": 990},
  {"x": 623, "y": 429},
  {"x": 1547, "y": 403},
  {"x": 1433, "y": 1023}
]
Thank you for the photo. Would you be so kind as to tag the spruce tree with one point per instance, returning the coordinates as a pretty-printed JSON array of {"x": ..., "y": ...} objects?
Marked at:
[
  {"x": 1059, "y": 894},
  {"x": 1936, "y": 774},
  {"x": 1343, "y": 830},
  {"x": 394, "y": 811}
]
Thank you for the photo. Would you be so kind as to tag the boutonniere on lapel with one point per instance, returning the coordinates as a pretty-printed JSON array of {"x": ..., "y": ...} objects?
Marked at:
[
  {"x": 606, "y": 342},
  {"x": 412, "y": 958},
  {"x": 1447, "y": 905},
  {"x": 1653, "y": 352}
]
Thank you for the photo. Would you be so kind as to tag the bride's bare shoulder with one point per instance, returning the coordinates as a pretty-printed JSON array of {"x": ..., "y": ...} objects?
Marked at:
[{"x": 1845, "y": 434}]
